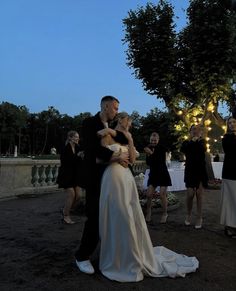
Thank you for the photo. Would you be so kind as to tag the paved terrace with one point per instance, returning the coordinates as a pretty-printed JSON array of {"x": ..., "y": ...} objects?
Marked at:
[{"x": 37, "y": 249}]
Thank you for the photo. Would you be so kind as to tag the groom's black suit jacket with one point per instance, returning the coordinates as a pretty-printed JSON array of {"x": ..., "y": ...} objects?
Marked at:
[
  {"x": 93, "y": 149},
  {"x": 93, "y": 175}
]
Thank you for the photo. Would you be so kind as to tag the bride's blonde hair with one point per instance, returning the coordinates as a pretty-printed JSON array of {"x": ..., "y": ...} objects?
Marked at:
[{"x": 122, "y": 115}]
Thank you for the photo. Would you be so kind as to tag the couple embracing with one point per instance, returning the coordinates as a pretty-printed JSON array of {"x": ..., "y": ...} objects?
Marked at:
[{"x": 114, "y": 214}]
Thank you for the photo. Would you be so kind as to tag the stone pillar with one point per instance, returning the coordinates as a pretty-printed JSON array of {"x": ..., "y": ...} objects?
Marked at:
[{"x": 15, "y": 176}]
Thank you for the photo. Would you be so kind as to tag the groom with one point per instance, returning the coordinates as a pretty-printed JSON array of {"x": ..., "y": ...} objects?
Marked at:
[{"x": 93, "y": 172}]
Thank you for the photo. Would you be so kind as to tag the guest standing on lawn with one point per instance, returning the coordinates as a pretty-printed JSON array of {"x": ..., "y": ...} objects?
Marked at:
[
  {"x": 69, "y": 175},
  {"x": 158, "y": 175},
  {"x": 195, "y": 175},
  {"x": 228, "y": 188}
]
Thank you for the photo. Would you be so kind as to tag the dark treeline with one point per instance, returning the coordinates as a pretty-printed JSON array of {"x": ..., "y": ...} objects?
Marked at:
[{"x": 37, "y": 133}]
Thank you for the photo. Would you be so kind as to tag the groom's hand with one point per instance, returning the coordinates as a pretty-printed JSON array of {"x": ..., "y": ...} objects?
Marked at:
[{"x": 124, "y": 159}]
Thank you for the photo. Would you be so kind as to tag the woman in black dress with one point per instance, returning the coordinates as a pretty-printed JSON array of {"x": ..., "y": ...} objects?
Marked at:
[
  {"x": 228, "y": 188},
  {"x": 158, "y": 175},
  {"x": 70, "y": 172},
  {"x": 195, "y": 175}
]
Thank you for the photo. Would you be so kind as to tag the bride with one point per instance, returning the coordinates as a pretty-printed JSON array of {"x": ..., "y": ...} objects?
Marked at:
[{"x": 127, "y": 253}]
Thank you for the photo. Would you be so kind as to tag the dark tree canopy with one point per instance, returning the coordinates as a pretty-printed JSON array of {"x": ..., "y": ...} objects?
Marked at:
[
  {"x": 151, "y": 50},
  {"x": 193, "y": 70}
]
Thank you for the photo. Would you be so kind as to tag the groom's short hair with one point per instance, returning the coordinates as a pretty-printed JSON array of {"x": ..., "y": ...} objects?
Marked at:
[{"x": 109, "y": 98}]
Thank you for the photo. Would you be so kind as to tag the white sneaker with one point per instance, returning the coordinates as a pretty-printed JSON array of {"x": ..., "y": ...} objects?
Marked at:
[
  {"x": 85, "y": 267},
  {"x": 198, "y": 224},
  {"x": 164, "y": 218},
  {"x": 187, "y": 220}
]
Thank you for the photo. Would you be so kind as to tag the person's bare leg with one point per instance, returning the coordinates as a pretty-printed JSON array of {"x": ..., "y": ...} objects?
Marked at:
[
  {"x": 199, "y": 193},
  {"x": 189, "y": 204},
  {"x": 70, "y": 197},
  {"x": 164, "y": 202},
  {"x": 77, "y": 191},
  {"x": 150, "y": 192}
]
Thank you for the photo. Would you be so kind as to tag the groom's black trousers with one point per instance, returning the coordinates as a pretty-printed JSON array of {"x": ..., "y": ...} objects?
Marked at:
[{"x": 90, "y": 237}]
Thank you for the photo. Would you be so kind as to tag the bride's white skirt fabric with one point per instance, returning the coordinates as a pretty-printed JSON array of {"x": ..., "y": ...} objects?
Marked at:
[{"x": 127, "y": 253}]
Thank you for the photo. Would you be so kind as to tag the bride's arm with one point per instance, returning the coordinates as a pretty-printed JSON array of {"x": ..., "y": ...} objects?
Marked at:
[
  {"x": 107, "y": 140},
  {"x": 131, "y": 147},
  {"x": 106, "y": 136},
  {"x": 119, "y": 157},
  {"x": 106, "y": 131}
]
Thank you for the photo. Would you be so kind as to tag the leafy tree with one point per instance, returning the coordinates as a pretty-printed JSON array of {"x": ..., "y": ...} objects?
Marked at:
[
  {"x": 192, "y": 71},
  {"x": 151, "y": 47},
  {"x": 78, "y": 120},
  {"x": 160, "y": 122},
  {"x": 135, "y": 130},
  {"x": 49, "y": 120},
  {"x": 12, "y": 120},
  {"x": 21, "y": 123}
]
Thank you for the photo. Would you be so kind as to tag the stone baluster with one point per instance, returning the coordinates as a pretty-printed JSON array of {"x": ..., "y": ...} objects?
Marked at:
[
  {"x": 36, "y": 176},
  {"x": 56, "y": 173},
  {"x": 43, "y": 176},
  {"x": 50, "y": 176}
]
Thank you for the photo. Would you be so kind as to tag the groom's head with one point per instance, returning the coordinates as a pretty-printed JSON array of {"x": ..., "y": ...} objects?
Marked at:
[{"x": 109, "y": 107}]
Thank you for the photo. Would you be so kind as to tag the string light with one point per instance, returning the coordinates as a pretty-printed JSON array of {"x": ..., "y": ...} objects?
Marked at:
[
  {"x": 196, "y": 112},
  {"x": 180, "y": 112},
  {"x": 207, "y": 122},
  {"x": 224, "y": 127},
  {"x": 178, "y": 127},
  {"x": 210, "y": 107}
]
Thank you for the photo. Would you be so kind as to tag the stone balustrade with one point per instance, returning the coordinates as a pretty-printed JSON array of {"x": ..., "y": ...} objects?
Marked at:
[
  {"x": 26, "y": 176},
  {"x": 139, "y": 167},
  {"x": 20, "y": 176}
]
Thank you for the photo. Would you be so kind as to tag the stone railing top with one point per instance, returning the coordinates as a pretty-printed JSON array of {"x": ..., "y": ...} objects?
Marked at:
[
  {"x": 13, "y": 161},
  {"x": 27, "y": 161}
]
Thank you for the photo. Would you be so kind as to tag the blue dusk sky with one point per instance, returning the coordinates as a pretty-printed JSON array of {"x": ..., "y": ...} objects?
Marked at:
[{"x": 69, "y": 53}]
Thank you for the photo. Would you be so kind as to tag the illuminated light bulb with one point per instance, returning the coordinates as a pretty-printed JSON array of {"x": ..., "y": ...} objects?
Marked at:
[
  {"x": 207, "y": 122},
  {"x": 207, "y": 145},
  {"x": 177, "y": 127},
  {"x": 209, "y": 128},
  {"x": 215, "y": 140},
  {"x": 221, "y": 136},
  {"x": 210, "y": 107},
  {"x": 196, "y": 112},
  {"x": 224, "y": 127},
  {"x": 207, "y": 138},
  {"x": 180, "y": 112},
  {"x": 208, "y": 150}
]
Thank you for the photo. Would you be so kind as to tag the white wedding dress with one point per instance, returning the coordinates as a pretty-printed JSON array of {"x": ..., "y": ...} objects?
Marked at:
[{"x": 127, "y": 253}]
